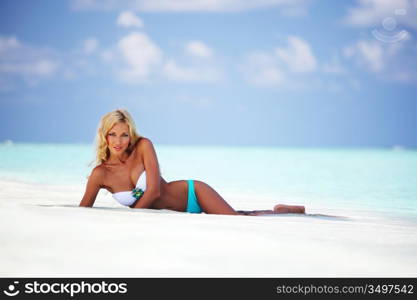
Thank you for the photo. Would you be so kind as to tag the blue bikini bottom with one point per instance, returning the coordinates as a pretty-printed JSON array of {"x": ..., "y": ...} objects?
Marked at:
[{"x": 192, "y": 203}]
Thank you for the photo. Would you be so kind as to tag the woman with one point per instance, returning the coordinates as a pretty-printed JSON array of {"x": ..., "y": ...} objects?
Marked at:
[{"x": 124, "y": 157}]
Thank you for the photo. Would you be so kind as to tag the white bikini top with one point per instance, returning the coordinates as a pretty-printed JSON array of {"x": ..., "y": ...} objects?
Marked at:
[{"x": 126, "y": 197}]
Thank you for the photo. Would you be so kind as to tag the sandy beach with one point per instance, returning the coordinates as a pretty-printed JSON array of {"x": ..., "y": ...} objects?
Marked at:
[{"x": 44, "y": 233}]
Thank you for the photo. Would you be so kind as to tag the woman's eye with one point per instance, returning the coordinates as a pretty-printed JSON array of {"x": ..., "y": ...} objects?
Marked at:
[{"x": 113, "y": 134}]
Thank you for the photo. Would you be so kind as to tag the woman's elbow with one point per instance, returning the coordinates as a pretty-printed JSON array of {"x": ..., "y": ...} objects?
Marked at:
[{"x": 156, "y": 193}]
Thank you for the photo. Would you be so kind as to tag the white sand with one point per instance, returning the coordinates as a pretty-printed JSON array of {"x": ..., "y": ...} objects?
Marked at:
[{"x": 43, "y": 233}]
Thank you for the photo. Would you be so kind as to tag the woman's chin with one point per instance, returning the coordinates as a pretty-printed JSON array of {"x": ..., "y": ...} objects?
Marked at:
[{"x": 117, "y": 152}]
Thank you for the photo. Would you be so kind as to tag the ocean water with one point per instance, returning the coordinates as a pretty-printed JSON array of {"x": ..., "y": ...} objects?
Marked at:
[{"x": 379, "y": 180}]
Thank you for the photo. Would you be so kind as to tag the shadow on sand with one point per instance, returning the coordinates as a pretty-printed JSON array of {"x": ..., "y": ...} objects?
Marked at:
[
  {"x": 316, "y": 216},
  {"x": 118, "y": 209},
  {"x": 77, "y": 206}
]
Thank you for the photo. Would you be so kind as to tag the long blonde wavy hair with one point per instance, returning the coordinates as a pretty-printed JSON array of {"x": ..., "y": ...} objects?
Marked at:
[{"x": 106, "y": 123}]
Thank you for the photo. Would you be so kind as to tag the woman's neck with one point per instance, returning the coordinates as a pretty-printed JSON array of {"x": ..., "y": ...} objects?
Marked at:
[{"x": 116, "y": 159}]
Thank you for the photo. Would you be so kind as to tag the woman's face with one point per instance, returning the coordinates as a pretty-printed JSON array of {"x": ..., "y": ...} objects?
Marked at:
[{"x": 118, "y": 138}]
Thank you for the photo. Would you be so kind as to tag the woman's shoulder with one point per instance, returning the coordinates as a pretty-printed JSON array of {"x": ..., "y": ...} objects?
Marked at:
[
  {"x": 99, "y": 172},
  {"x": 143, "y": 143}
]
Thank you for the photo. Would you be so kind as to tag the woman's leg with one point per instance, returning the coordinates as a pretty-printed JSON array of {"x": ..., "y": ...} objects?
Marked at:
[
  {"x": 212, "y": 203},
  {"x": 278, "y": 209},
  {"x": 256, "y": 212},
  {"x": 289, "y": 209}
]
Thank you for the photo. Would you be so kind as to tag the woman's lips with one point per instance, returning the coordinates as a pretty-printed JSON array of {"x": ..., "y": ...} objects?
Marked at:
[{"x": 117, "y": 148}]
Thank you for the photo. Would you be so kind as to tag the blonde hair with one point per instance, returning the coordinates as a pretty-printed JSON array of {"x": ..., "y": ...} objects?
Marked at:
[{"x": 106, "y": 123}]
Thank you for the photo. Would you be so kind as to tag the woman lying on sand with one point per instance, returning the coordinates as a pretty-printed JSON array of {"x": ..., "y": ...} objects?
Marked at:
[{"x": 125, "y": 157}]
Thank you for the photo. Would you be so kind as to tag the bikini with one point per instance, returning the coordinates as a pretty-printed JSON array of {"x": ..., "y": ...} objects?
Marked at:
[
  {"x": 127, "y": 197},
  {"x": 192, "y": 203}
]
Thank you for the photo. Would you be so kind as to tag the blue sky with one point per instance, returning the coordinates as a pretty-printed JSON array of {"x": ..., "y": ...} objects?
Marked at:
[{"x": 227, "y": 72}]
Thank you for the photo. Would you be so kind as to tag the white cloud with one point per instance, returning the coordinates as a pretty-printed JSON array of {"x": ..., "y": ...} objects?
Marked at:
[
  {"x": 141, "y": 56},
  {"x": 173, "y": 71},
  {"x": 292, "y": 68},
  {"x": 14, "y": 52},
  {"x": 297, "y": 55},
  {"x": 372, "y": 53},
  {"x": 137, "y": 59},
  {"x": 41, "y": 67},
  {"x": 199, "y": 70},
  {"x": 295, "y": 6},
  {"x": 277, "y": 67},
  {"x": 129, "y": 19},
  {"x": 368, "y": 53},
  {"x": 90, "y": 45},
  {"x": 190, "y": 74},
  {"x": 405, "y": 76},
  {"x": 7, "y": 43},
  {"x": 333, "y": 66},
  {"x": 198, "y": 49},
  {"x": 391, "y": 62},
  {"x": 262, "y": 69},
  {"x": 23, "y": 62},
  {"x": 374, "y": 12},
  {"x": 107, "y": 55}
]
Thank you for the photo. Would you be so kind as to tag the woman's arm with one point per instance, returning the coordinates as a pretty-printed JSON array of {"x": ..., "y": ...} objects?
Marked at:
[
  {"x": 93, "y": 186},
  {"x": 153, "y": 177}
]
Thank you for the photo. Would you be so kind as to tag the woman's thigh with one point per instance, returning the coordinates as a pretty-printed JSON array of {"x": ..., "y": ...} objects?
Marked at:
[{"x": 210, "y": 201}]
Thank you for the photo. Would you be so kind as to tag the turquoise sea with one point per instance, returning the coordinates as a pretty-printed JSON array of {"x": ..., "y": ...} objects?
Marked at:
[{"x": 378, "y": 180}]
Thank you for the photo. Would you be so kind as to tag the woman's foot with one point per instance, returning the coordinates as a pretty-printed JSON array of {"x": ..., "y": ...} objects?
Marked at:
[{"x": 289, "y": 209}]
